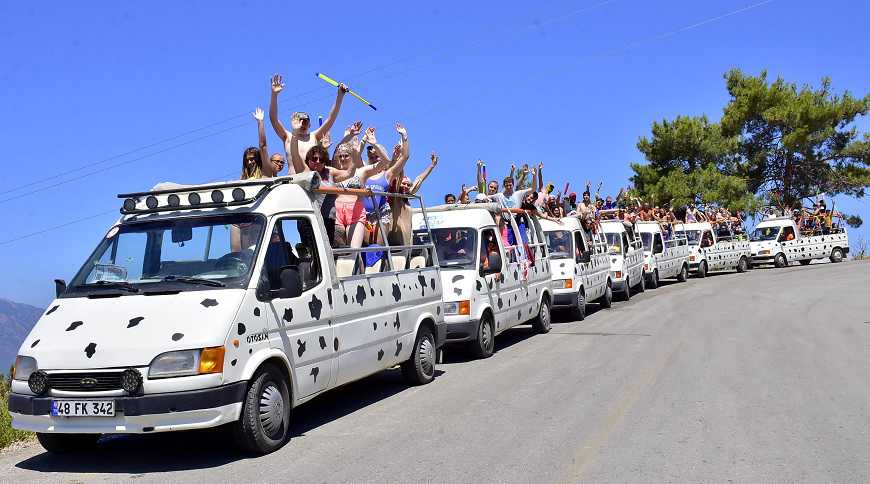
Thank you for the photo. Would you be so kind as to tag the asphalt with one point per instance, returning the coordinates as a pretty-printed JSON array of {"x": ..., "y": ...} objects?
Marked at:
[{"x": 758, "y": 377}]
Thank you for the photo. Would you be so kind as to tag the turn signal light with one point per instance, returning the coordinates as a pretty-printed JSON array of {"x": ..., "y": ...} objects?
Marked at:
[
  {"x": 465, "y": 307},
  {"x": 211, "y": 360},
  {"x": 619, "y": 274},
  {"x": 569, "y": 283}
]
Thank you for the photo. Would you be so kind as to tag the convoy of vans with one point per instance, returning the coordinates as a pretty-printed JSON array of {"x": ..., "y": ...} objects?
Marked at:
[
  {"x": 777, "y": 241},
  {"x": 225, "y": 304}
]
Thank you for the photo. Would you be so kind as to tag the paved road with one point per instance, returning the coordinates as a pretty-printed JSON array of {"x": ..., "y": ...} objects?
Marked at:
[{"x": 756, "y": 377}]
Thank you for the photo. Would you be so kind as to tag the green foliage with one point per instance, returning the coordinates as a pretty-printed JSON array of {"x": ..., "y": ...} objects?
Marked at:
[
  {"x": 775, "y": 142},
  {"x": 8, "y": 435}
]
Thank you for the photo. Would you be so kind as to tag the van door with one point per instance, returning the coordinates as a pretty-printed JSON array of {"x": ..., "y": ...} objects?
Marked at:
[
  {"x": 303, "y": 322},
  {"x": 503, "y": 288},
  {"x": 538, "y": 271}
]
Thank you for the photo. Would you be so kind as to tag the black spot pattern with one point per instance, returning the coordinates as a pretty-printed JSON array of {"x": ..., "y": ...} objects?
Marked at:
[
  {"x": 177, "y": 336},
  {"x": 516, "y": 276},
  {"x": 457, "y": 278},
  {"x": 314, "y": 372},
  {"x": 257, "y": 312},
  {"x": 322, "y": 342},
  {"x": 438, "y": 310},
  {"x": 74, "y": 325},
  {"x": 53, "y": 309},
  {"x": 288, "y": 314},
  {"x": 489, "y": 284},
  {"x": 33, "y": 345},
  {"x": 335, "y": 344},
  {"x": 360, "y": 295},
  {"x": 250, "y": 351},
  {"x": 422, "y": 280},
  {"x": 300, "y": 348},
  {"x": 397, "y": 324},
  {"x": 241, "y": 329},
  {"x": 233, "y": 363},
  {"x": 479, "y": 285},
  {"x": 315, "y": 306},
  {"x": 397, "y": 293},
  {"x": 209, "y": 303},
  {"x": 345, "y": 298},
  {"x": 380, "y": 354},
  {"x": 329, "y": 297},
  {"x": 519, "y": 315},
  {"x": 398, "y": 347},
  {"x": 381, "y": 292},
  {"x": 374, "y": 326},
  {"x": 432, "y": 283},
  {"x": 135, "y": 321},
  {"x": 500, "y": 303},
  {"x": 458, "y": 291},
  {"x": 90, "y": 349},
  {"x": 372, "y": 292}
]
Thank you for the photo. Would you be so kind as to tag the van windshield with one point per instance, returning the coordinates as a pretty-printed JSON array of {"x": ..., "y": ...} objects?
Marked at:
[
  {"x": 693, "y": 236},
  {"x": 559, "y": 242},
  {"x": 764, "y": 233},
  {"x": 614, "y": 242},
  {"x": 177, "y": 254},
  {"x": 646, "y": 238},
  {"x": 456, "y": 247}
]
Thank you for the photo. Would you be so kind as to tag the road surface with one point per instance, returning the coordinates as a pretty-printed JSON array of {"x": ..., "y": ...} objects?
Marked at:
[{"x": 752, "y": 377}]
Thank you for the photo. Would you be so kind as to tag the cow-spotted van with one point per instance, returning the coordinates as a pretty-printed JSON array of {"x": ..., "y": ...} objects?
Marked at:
[
  {"x": 221, "y": 304},
  {"x": 495, "y": 271}
]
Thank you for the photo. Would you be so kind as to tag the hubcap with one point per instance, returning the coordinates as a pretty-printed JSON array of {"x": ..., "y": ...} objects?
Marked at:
[
  {"x": 271, "y": 409},
  {"x": 545, "y": 315},
  {"x": 427, "y": 356},
  {"x": 485, "y": 336}
]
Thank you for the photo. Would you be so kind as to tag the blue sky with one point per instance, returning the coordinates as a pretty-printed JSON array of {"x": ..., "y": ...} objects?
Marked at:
[{"x": 572, "y": 84}]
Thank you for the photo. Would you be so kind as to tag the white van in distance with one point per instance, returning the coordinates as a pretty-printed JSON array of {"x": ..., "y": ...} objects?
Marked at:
[
  {"x": 494, "y": 270},
  {"x": 579, "y": 266},
  {"x": 778, "y": 241},
  {"x": 219, "y": 304},
  {"x": 626, "y": 257},
  {"x": 664, "y": 257},
  {"x": 711, "y": 250}
]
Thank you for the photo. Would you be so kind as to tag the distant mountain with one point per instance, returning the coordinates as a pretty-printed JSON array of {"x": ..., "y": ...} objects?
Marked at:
[{"x": 16, "y": 319}]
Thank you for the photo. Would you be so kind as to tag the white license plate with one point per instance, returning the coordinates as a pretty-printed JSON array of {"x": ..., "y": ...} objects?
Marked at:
[{"x": 82, "y": 408}]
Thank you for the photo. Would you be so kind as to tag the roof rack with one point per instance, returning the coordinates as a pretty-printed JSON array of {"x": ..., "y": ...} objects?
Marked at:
[
  {"x": 491, "y": 207},
  {"x": 241, "y": 192}
]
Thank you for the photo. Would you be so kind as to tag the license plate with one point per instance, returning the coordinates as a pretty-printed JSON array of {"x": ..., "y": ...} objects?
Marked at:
[{"x": 82, "y": 408}]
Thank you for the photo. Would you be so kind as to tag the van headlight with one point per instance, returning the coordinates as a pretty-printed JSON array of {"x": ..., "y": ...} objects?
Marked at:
[
  {"x": 457, "y": 307},
  {"x": 187, "y": 362},
  {"x": 24, "y": 367}
]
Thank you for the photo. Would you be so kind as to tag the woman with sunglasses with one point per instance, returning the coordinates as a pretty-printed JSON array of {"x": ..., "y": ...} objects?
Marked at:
[{"x": 252, "y": 158}]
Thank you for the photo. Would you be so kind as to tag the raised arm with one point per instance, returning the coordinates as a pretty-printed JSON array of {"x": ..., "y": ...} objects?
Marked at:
[
  {"x": 481, "y": 177},
  {"x": 297, "y": 161},
  {"x": 349, "y": 132},
  {"x": 398, "y": 166},
  {"x": 267, "y": 168},
  {"x": 333, "y": 113},
  {"x": 538, "y": 178},
  {"x": 277, "y": 86},
  {"x": 422, "y": 177}
]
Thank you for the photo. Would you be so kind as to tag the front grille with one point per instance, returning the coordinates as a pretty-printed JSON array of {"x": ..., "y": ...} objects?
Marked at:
[{"x": 73, "y": 382}]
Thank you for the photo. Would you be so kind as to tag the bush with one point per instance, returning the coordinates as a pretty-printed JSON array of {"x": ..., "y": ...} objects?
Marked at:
[{"x": 8, "y": 435}]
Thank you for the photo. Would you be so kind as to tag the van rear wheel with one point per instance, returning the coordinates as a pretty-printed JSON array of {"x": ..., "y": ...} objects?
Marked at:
[
  {"x": 542, "y": 322},
  {"x": 484, "y": 345},
  {"x": 579, "y": 312},
  {"x": 683, "y": 276},
  {"x": 606, "y": 300},
  {"x": 264, "y": 424},
  {"x": 837, "y": 255},
  {"x": 654, "y": 279},
  {"x": 420, "y": 367},
  {"x": 68, "y": 443}
]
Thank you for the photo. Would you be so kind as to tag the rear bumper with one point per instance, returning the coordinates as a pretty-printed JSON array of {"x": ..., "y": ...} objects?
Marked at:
[{"x": 142, "y": 414}]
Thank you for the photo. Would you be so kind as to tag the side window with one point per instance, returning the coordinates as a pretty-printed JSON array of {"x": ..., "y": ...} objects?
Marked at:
[
  {"x": 488, "y": 245},
  {"x": 625, "y": 244},
  {"x": 658, "y": 245},
  {"x": 787, "y": 234},
  {"x": 292, "y": 243}
]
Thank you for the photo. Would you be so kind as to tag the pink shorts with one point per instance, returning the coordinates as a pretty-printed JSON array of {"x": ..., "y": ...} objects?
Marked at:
[{"x": 349, "y": 212}]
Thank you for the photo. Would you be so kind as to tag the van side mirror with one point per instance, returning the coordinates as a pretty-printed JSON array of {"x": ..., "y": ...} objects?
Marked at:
[
  {"x": 291, "y": 283},
  {"x": 59, "y": 287},
  {"x": 494, "y": 259},
  {"x": 182, "y": 233}
]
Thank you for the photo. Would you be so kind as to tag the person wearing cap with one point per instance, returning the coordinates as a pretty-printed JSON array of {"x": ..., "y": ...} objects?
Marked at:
[{"x": 300, "y": 121}]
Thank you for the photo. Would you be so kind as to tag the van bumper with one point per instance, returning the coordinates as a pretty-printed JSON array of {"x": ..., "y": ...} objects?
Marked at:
[
  {"x": 440, "y": 334},
  {"x": 460, "y": 331},
  {"x": 159, "y": 412},
  {"x": 564, "y": 299}
]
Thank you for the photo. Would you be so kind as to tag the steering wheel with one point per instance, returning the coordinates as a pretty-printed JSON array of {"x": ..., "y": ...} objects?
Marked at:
[{"x": 234, "y": 261}]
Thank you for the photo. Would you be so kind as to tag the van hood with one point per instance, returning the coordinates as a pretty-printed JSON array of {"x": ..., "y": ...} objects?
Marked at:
[
  {"x": 561, "y": 269},
  {"x": 82, "y": 333},
  {"x": 459, "y": 284}
]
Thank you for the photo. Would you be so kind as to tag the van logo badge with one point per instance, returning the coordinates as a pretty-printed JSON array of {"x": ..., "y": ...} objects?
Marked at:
[{"x": 88, "y": 382}]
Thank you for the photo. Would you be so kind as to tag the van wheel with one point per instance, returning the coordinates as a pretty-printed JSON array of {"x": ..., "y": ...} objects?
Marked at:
[
  {"x": 485, "y": 343},
  {"x": 702, "y": 269},
  {"x": 641, "y": 287},
  {"x": 578, "y": 313},
  {"x": 654, "y": 280},
  {"x": 626, "y": 294},
  {"x": 420, "y": 367},
  {"x": 805, "y": 262},
  {"x": 68, "y": 443},
  {"x": 264, "y": 424},
  {"x": 742, "y": 265},
  {"x": 542, "y": 322},
  {"x": 779, "y": 260},
  {"x": 606, "y": 300},
  {"x": 837, "y": 255},
  {"x": 683, "y": 276}
]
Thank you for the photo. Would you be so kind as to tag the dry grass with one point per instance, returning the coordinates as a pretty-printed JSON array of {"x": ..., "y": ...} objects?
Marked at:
[{"x": 8, "y": 435}]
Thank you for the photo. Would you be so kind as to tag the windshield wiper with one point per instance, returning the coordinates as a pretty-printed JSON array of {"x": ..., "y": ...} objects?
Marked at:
[
  {"x": 194, "y": 280},
  {"x": 122, "y": 285}
]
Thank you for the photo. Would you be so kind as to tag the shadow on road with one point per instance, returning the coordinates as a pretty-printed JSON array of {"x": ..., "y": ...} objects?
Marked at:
[
  {"x": 458, "y": 354},
  {"x": 204, "y": 449}
]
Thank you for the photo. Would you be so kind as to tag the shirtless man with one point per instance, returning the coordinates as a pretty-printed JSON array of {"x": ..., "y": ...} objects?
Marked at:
[{"x": 300, "y": 122}]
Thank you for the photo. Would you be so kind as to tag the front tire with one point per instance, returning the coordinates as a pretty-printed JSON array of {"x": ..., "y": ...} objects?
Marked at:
[
  {"x": 542, "y": 323},
  {"x": 579, "y": 312},
  {"x": 641, "y": 287},
  {"x": 683, "y": 276},
  {"x": 654, "y": 279},
  {"x": 742, "y": 265},
  {"x": 484, "y": 345},
  {"x": 626, "y": 294},
  {"x": 702, "y": 269},
  {"x": 419, "y": 369},
  {"x": 606, "y": 300},
  {"x": 780, "y": 261},
  {"x": 837, "y": 255},
  {"x": 68, "y": 443},
  {"x": 264, "y": 424}
]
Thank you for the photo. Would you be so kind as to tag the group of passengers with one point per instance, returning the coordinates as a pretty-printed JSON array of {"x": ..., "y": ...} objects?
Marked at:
[
  {"x": 353, "y": 217},
  {"x": 815, "y": 220}
]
